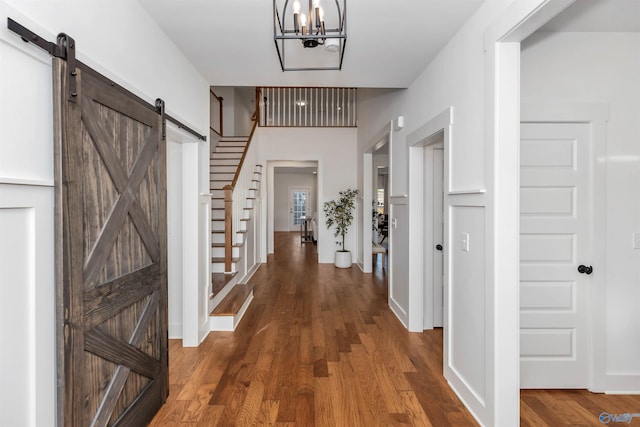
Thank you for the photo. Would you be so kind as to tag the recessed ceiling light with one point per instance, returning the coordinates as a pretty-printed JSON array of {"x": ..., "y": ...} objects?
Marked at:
[{"x": 301, "y": 103}]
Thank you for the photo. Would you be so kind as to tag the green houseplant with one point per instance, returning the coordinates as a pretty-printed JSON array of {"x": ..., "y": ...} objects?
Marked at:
[{"x": 339, "y": 214}]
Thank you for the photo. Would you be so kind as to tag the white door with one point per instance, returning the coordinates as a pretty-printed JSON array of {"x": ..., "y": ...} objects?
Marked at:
[
  {"x": 298, "y": 206},
  {"x": 555, "y": 239},
  {"x": 438, "y": 237}
]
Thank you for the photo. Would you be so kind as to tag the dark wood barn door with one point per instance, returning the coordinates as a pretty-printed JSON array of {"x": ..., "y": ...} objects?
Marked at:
[{"x": 110, "y": 253}]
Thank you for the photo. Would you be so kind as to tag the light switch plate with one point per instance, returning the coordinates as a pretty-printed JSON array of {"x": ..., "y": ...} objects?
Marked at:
[
  {"x": 464, "y": 241},
  {"x": 636, "y": 240}
]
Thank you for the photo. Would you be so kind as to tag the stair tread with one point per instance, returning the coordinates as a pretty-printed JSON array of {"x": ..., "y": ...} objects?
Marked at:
[
  {"x": 221, "y": 245},
  {"x": 221, "y": 259},
  {"x": 220, "y": 280},
  {"x": 232, "y": 303}
]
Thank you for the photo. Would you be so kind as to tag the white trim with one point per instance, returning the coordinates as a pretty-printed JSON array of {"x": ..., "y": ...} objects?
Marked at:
[
  {"x": 367, "y": 221},
  {"x": 270, "y": 180},
  {"x": 175, "y": 331},
  {"x": 36, "y": 352},
  {"x": 398, "y": 311},
  {"x": 502, "y": 86},
  {"x": 190, "y": 242},
  {"x": 29, "y": 182},
  {"x": 463, "y": 192},
  {"x": 426, "y": 135}
]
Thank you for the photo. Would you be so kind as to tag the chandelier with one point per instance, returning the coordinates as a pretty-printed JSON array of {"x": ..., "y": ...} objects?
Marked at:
[{"x": 298, "y": 30}]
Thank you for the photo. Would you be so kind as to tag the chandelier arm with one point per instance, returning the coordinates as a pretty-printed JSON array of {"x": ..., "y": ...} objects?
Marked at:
[
  {"x": 340, "y": 16},
  {"x": 284, "y": 16}
]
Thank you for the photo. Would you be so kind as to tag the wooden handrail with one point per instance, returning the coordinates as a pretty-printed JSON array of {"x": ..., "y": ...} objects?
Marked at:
[
  {"x": 244, "y": 154},
  {"x": 228, "y": 229}
]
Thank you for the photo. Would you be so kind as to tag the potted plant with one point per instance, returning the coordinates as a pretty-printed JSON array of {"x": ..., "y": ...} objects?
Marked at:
[{"x": 339, "y": 214}]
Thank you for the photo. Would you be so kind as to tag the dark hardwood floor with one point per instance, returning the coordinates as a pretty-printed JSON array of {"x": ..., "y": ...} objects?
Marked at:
[{"x": 319, "y": 346}]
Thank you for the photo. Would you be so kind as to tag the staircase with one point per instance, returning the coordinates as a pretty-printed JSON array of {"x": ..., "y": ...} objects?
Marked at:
[{"x": 230, "y": 299}]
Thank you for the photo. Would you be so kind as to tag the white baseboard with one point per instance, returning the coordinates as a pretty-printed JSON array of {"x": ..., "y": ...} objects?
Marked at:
[
  {"x": 175, "y": 331},
  {"x": 399, "y": 312},
  {"x": 250, "y": 273}
]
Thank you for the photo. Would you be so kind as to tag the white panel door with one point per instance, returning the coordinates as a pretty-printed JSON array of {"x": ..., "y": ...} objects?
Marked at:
[{"x": 555, "y": 230}]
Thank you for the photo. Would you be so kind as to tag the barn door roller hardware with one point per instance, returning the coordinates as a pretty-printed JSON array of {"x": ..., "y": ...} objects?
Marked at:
[{"x": 66, "y": 49}]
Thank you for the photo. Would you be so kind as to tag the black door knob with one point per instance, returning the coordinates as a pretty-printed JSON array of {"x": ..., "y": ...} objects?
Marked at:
[
  {"x": 584, "y": 269},
  {"x": 439, "y": 247}
]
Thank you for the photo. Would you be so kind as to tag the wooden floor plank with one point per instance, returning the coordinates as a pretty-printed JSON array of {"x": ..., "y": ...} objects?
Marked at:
[{"x": 319, "y": 346}]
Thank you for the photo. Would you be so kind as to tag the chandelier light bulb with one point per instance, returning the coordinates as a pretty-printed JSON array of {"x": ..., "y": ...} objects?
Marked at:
[
  {"x": 296, "y": 7},
  {"x": 303, "y": 20}
]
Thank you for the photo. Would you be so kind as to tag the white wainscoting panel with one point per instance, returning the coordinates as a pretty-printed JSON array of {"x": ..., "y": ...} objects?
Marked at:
[{"x": 27, "y": 306}]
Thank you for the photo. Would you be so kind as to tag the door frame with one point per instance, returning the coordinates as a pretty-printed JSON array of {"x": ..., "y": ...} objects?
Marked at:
[
  {"x": 437, "y": 129},
  {"x": 596, "y": 115},
  {"x": 267, "y": 245},
  {"x": 382, "y": 137}
]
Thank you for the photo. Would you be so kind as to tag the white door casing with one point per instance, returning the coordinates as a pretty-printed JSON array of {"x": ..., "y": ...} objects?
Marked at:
[{"x": 556, "y": 226}]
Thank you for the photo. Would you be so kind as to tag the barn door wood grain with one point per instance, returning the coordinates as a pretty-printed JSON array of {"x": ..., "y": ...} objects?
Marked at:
[{"x": 110, "y": 254}]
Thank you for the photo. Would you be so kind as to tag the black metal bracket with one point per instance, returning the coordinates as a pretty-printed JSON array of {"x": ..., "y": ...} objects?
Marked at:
[
  {"x": 68, "y": 46},
  {"x": 29, "y": 36},
  {"x": 160, "y": 109},
  {"x": 65, "y": 49}
]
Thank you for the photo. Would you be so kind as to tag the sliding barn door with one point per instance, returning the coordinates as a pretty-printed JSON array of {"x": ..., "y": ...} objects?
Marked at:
[{"x": 111, "y": 255}]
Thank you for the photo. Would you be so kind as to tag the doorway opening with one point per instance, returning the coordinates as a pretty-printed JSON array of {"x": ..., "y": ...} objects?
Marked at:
[
  {"x": 293, "y": 200},
  {"x": 375, "y": 207},
  {"x": 428, "y": 220}
]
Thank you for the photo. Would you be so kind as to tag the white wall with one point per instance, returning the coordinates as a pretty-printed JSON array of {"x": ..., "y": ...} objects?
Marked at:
[
  {"x": 242, "y": 111},
  {"x": 335, "y": 151},
  {"x": 236, "y": 113},
  {"x": 283, "y": 181},
  {"x": 133, "y": 53},
  {"x": 603, "y": 68},
  {"x": 457, "y": 77},
  {"x": 228, "y": 96}
]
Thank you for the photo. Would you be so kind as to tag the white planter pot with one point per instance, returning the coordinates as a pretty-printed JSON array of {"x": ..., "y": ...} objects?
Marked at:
[{"x": 343, "y": 259}]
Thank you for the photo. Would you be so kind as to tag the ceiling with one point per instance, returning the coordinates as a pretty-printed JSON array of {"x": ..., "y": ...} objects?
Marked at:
[
  {"x": 597, "y": 16},
  {"x": 388, "y": 42}
]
